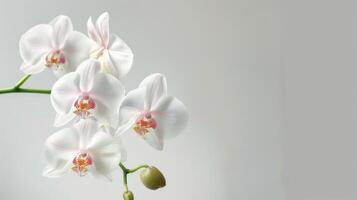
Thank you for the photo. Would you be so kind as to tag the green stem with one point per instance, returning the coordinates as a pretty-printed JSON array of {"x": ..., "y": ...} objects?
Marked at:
[
  {"x": 137, "y": 168},
  {"x": 127, "y": 171},
  {"x": 125, "y": 176},
  {"x": 22, "y": 81},
  {"x": 34, "y": 90},
  {"x": 17, "y": 88},
  {"x": 24, "y": 90}
]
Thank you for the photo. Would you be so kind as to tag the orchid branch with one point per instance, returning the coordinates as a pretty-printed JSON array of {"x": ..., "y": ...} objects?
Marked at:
[
  {"x": 17, "y": 88},
  {"x": 127, "y": 171}
]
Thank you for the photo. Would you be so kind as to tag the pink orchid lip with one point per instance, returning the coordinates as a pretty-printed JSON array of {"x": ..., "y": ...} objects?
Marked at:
[
  {"x": 83, "y": 105},
  {"x": 144, "y": 123},
  {"x": 82, "y": 162},
  {"x": 55, "y": 59},
  {"x": 145, "y": 113}
]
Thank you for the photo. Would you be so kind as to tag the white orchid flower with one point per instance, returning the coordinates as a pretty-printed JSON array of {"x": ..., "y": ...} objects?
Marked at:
[
  {"x": 151, "y": 113},
  {"x": 83, "y": 148},
  {"x": 86, "y": 93},
  {"x": 113, "y": 53},
  {"x": 55, "y": 46}
]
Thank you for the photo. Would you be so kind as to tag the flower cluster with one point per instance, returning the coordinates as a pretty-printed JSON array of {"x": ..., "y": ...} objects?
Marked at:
[{"x": 90, "y": 99}]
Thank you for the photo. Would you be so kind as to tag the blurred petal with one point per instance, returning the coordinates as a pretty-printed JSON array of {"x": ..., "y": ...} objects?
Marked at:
[
  {"x": 106, "y": 152},
  {"x": 156, "y": 88},
  {"x": 36, "y": 42},
  {"x": 76, "y": 49},
  {"x": 61, "y": 148},
  {"x": 119, "y": 56},
  {"x": 102, "y": 25},
  {"x": 87, "y": 71},
  {"x": 62, "y": 27},
  {"x": 171, "y": 116},
  {"x": 65, "y": 92}
]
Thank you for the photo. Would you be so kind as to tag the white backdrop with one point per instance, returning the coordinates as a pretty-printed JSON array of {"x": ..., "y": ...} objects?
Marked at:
[
  {"x": 222, "y": 58},
  {"x": 320, "y": 139},
  {"x": 269, "y": 86}
]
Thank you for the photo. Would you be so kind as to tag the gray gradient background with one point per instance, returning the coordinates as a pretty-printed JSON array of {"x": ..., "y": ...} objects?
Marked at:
[{"x": 270, "y": 86}]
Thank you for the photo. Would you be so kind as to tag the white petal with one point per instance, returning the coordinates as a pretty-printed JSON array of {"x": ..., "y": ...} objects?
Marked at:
[
  {"x": 108, "y": 129},
  {"x": 119, "y": 57},
  {"x": 156, "y": 88},
  {"x": 65, "y": 92},
  {"x": 34, "y": 68},
  {"x": 87, "y": 71},
  {"x": 63, "y": 119},
  {"x": 87, "y": 129},
  {"x": 102, "y": 25},
  {"x": 76, "y": 49},
  {"x": 93, "y": 32},
  {"x": 61, "y": 71},
  {"x": 106, "y": 152},
  {"x": 106, "y": 64},
  {"x": 131, "y": 107},
  {"x": 62, "y": 27},
  {"x": 154, "y": 139},
  {"x": 114, "y": 123},
  {"x": 127, "y": 123},
  {"x": 118, "y": 44},
  {"x": 171, "y": 115},
  {"x": 135, "y": 100},
  {"x": 103, "y": 113},
  {"x": 66, "y": 139},
  {"x": 108, "y": 91},
  {"x": 59, "y": 167},
  {"x": 35, "y": 43},
  {"x": 61, "y": 148}
]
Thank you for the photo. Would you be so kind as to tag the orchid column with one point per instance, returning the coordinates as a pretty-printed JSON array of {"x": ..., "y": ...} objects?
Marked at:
[{"x": 91, "y": 102}]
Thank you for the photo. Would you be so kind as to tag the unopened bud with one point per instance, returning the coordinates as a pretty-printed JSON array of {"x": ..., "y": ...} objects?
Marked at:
[
  {"x": 152, "y": 178},
  {"x": 128, "y": 195}
]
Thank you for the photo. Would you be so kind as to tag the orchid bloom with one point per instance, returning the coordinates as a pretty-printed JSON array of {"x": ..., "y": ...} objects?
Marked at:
[
  {"x": 151, "y": 113},
  {"x": 86, "y": 93},
  {"x": 83, "y": 148},
  {"x": 113, "y": 53},
  {"x": 55, "y": 46}
]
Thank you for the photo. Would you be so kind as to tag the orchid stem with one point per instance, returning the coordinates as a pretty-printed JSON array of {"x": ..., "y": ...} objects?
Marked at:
[
  {"x": 17, "y": 88},
  {"x": 127, "y": 171},
  {"x": 125, "y": 176},
  {"x": 22, "y": 81},
  {"x": 24, "y": 90},
  {"x": 137, "y": 168}
]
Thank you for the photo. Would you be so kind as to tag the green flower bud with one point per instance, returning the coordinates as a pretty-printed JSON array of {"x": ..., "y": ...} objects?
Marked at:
[
  {"x": 128, "y": 195},
  {"x": 152, "y": 178}
]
